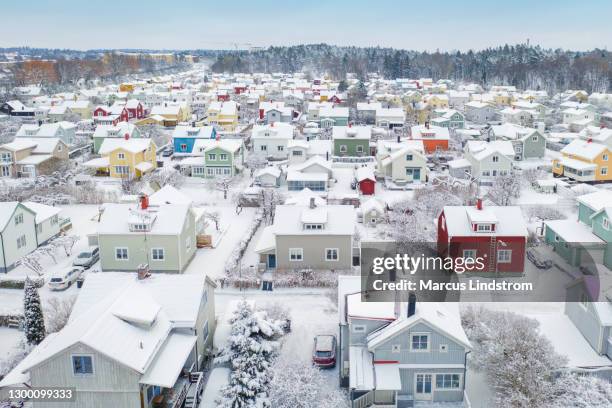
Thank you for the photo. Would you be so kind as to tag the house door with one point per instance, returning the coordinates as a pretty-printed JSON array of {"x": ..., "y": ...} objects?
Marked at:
[
  {"x": 422, "y": 386},
  {"x": 271, "y": 261},
  {"x": 416, "y": 174}
]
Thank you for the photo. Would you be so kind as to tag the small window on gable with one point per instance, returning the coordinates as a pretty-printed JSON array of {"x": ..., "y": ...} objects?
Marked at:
[
  {"x": 396, "y": 348},
  {"x": 359, "y": 328},
  {"x": 605, "y": 222},
  {"x": 443, "y": 348}
]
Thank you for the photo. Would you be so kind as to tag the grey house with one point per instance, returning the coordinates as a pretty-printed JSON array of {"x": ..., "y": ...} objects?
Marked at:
[
  {"x": 129, "y": 343},
  {"x": 309, "y": 237},
  {"x": 161, "y": 236},
  {"x": 17, "y": 233},
  {"x": 528, "y": 143},
  {"x": 400, "y": 353}
]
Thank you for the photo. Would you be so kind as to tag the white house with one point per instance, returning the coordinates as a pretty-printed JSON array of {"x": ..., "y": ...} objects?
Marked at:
[{"x": 271, "y": 140}]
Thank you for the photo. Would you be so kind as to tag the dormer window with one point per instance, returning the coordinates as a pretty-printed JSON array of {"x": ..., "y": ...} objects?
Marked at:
[
  {"x": 140, "y": 227},
  {"x": 409, "y": 157},
  {"x": 313, "y": 226},
  {"x": 484, "y": 227}
]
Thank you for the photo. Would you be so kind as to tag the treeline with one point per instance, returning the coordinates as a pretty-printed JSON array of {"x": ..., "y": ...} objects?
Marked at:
[
  {"x": 524, "y": 66},
  {"x": 107, "y": 65}
]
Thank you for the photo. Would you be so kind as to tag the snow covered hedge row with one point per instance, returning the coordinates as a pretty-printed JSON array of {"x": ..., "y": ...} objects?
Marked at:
[
  {"x": 14, "y": 283},
  {"x": 232, "y": 263},
  {"x": 290, "y": 279}
]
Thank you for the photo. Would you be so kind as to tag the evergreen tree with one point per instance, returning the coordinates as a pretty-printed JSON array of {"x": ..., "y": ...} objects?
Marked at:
[
  {"x": 342, "y": 86},
  {"x": 33, "y": 319},
  {"x": 252, "y": 347}
]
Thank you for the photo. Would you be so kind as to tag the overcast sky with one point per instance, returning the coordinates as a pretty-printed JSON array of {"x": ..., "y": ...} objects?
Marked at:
[{"x": 188, "y": 24}]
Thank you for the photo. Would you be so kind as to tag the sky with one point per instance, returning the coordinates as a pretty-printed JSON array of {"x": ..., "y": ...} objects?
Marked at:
[{"x": 223, "y": 24}]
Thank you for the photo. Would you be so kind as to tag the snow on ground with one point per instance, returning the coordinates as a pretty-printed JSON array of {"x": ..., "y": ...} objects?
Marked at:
[
  {"x": 10, "y": 342},
  {"x": 312, "y": 312},
  {"x": 216, "y": 381}
]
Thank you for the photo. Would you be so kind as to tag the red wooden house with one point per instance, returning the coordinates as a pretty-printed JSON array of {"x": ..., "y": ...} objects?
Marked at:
[
  {"x": 238, "y": 89},
  {"x": 335, "y": 99},
  {"x": 366, "y": 180},
  {"x": 134, "y": 109},
  {"x": 102, "y": 111},
  {"x": 496, "y": 235},
  {"x": 223, "y": 96}
]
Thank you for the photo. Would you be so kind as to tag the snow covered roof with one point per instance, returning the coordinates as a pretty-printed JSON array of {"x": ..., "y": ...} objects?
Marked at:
[
  {"x": 429, "y": 133},
  {"x": 459, "y": 163},
  {"x": 269, "y": 170},
  {"x": 361, "y": 369},
  {"x": 43, "y": 212},
  {"x": 35, "y": 159},
  {"x": 442, "y": 316},
  {"x": 17, "y": 145},
  {"x": 372, "y": 204},
  {"x": 358, "y": 309},
  {"x": 278, "y": 130},
  {"x": 596, "y": 200},
  {"x": 204, "y": 132},
  {"x": 340, "y": 220},
  {"x": 144, "y": 166},
  {"x": 168, "y": 363},
  {"x": 573, "y": 231},
  {"x": 584, "y": 149},
  {"x": 577, "y": 164},
  {"x": 481, "y": 149},
  {"x": 204, "y": 145},
  {"x": 510, "y": 221},
  {"x": 315, "y": 160},
  {"x": 100, "y": 162},
  {"x": 352, "y": 132},
  {"x": 364, "y": 173},
  {"x": 303, "y": 198},
  {"x": 131, "y": 145},
  {"x": 169, "y": 219}
]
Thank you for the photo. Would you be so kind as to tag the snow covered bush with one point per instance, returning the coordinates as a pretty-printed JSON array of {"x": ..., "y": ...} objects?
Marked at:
[
  {"x": 544, "y": 213},
  {"x": 231, "y": 265},
  {"x": 33, "y": 319},
  {"x": 57, "y": 313},
  {"x": 298, "y": 383},
  {"x": 582, "y": 391},
  {"x": 165, "y": 176},
  {"x": 519, "y": 362},
  {"x": 505, "y": 190},
  {"x": 252, "y": 346}
]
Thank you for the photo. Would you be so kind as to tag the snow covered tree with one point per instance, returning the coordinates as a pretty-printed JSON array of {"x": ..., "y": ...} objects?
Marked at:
[
  {"x": 270, "y": 198},
  {"x": 253, "y": 344},
  {"x": 519, "y": 362},
  {"x": 505, "y": 190},
  {"x": 57, "y": 313},
  {"x": 164, "y": 176},
  {"x": 33, "y": 319},
  {"x": 298, "y": 383},
  {"x": 582, "y": 391}
]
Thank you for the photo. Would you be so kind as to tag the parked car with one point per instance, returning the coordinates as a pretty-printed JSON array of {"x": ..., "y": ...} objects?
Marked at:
[
  {"x": 63, "y": 280},
  {"x": 538, "y": 259},
  {"x": 324, "y": 351},
  {"x": 87, "y": 258},
  {"x": 168, "y": 152}
]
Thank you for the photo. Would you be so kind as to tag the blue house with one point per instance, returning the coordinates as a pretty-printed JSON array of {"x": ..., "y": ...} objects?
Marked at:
[
  {"x": 400, "y": 354},
  {"x": 184, "y": 137}
]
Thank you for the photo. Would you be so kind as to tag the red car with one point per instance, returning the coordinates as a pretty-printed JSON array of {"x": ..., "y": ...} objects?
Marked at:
[{"x": 324, "y": 351}]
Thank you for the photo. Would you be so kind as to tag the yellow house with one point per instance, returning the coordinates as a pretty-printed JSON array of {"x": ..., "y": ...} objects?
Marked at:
[
  {"x": 436, "y": 101},
  {"x": 173, "y": 114},
  {"x": 126, "y": 87},
  {"x": 223, "y": 114},
  {"x": 584, "y": 160},
  {"x": 122, "y": 158}
]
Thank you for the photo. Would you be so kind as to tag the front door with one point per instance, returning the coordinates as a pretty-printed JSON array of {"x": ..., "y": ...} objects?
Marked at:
[
  {"x": 416, "y": 174},
  {"x": 271, "y": 261},
  {"x": 422, "y": 386}
]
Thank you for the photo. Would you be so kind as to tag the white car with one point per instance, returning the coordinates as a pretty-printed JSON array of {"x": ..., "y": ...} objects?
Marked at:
[{"x": 63, "y": 280}]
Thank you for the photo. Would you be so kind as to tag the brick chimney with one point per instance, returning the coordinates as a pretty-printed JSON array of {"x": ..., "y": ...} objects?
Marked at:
[
  {"x": 144, "y": 201},
  {"x": 126, "y": 136},
  {"x": 479, "y": 203}
]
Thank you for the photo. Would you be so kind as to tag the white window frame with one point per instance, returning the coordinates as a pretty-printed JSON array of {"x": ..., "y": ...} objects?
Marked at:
[
  {"x": 127, "y": 254},
  {"x": 121, "y": 156},
  {"x": 427, "y": 350},
  {"x": 603, "y": 171},
  {"x": 443, "y": 387},
  {"x": 443, "y": 348},
  {"x": 343, "y": 149},
  {"x": 212, "y": 156},
  {"x": 484, "y": 228},
  {"x": 155, "y": 251},
  {"x": 605, "y": 223},
  {"x": 223, "y": 156},
  {"x": 506, "y": 259},
  {"x": 93, "y": 365},
  {"x": 327, "y": 254},
  {"x": 396, "y": 348},
  {"x": 359, "y": 148},
  {"x": 296, "y": 251},
  {"x": 122, "y": 170}
]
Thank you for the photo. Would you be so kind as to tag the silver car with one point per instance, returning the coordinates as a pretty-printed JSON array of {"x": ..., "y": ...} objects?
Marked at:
[{"x": 87, "y": 258}]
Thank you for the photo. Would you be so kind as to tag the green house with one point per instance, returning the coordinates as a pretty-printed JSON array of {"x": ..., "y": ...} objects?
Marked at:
[
  {"x": 601, "y": 223},
  {"x": 121, "y": 130},
  {"x": 216, "y": 158},
  {"x": 351, "y": 141}
]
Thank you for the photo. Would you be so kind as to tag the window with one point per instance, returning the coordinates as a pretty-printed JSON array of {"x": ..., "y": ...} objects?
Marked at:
[
  {"x": 121, "y": 254},
  {"x": 483, "y": 227},
  {"x": 54, "y": 220},
  {"x": 82, "y": 365},
  {"x": 223, "y": 157},
  {"x": 419, "y": 342},
  {"x": 205, "y": 331},
  {"x": 197, "y": 171},
  {"x": 343, "y": 148},
  {"x": 21, "y": 242},
  {"x": 396, "y": 348},
  {"x": 183, "y": 147},
  {"x": 447, "y": 381},
  {"x": 504, "y": 255},
  {"x": 605, "y": 222},
  {"x": 331, "y": 254},
  {"x": 280, "y": 148},
  {"x": 604, "y": 171},
  {"x": 486, "y": 173},
  {"x": 121, "y": 156},
  {"x": 313, "y": 226},
  {"x": 359, "y": 328},
  {"x": 604, "y": 157},
  {"x": 296, "y": 254},
  {"x": 534, "y": 138},
  {"x": 210, "y": 172},
  {"x": 495, "y": 159},
  {"x": 297, "y": 153},
  {"x": 409, "y": 157},
  {"x": 212, "y": 156},
  {"x": 443, "y": 348},
  {"x": 157, "y": 254},
  {"x": 264, "y": 148},
  {"x": 359, "y": 149},
  {"x": 19, "y": 219},
  {"x": 226, "y": 171},
  {"x": 122, "y": 170},
  {"x": 469, "y": 254}
]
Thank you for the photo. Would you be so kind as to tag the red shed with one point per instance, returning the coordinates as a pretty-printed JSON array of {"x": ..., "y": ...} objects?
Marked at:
[
  {"x": 497, "y": 235},
  {"x": 366, "y": 180}
]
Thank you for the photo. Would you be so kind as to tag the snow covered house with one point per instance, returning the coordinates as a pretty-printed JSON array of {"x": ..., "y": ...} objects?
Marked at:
[
  {"x": 65, "y": 131},
  {"x": 272, "y": 140},
  {"x": 161, "y": 236},
  {"x": 448, "y": 118},
  {"x": 184, "y": 137},
  {"x": 371, "y": 212},
  {"x": 390, "y": 118},
  {"x": 400, "y": 354},
  {"x": 480, "y": 112},
  {"x": 122, "y": 130},
  {"x": 314, "y": 174},
  {"x": 32, "y": 156},
  {"x": 17, "y": 233},
  {"x": 584, "y": 160},
  {"x": 125, "y": 158},
  {"x": 318, "y": 237},
  {"x": 496, "y": 234},
  {"x": 47, "y": 221},
  {"x": 528, "y": 143},
  {"x": 129, "y": 343},
  {"x": 364, "y": 176},
  {"x": 215, "y": 158},
  {"x": 434, "y": 138},
  {"x": 366, "y": 112},
  {"x": 268, "y": 176},
  {"x": 402, "y": 162},
  {"x": 351, "y": 141},
  {"x": 333, "y": 116},
  {"x": 487, "y": 160}
]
